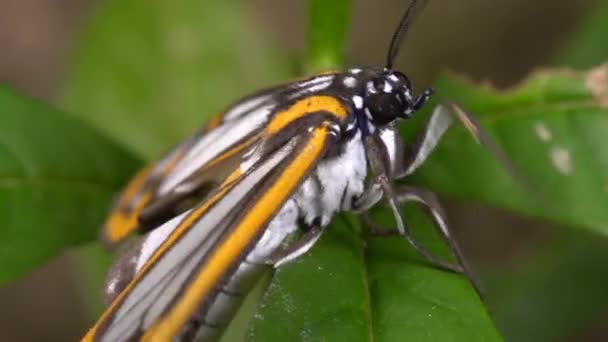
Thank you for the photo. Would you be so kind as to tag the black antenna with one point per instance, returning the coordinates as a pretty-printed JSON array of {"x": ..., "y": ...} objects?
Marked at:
[{"x": 402, "y": 29}]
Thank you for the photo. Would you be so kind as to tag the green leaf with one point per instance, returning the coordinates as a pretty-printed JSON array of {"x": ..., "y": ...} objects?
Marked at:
[
  {"x": 328, "y": 23},
  {"x": 150, "y": 79},
  {"x": 351, "y": 289},
  {"x": 552, "y": 127},
  {"x": 57, "y": 177}
]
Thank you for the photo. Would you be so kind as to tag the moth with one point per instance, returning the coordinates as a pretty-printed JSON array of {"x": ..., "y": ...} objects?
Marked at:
[{"x": 257, "y": 186}]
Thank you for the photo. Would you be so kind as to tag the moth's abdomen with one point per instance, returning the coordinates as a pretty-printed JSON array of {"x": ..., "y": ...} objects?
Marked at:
[{"x": 219, "y": 309}]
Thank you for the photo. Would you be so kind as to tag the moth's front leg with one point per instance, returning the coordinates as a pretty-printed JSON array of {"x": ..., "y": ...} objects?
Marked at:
[{"x": 430, "y": 204}]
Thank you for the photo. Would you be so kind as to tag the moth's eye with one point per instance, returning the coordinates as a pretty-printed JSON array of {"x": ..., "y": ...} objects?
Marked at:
[{"x": 383, "y": 107}]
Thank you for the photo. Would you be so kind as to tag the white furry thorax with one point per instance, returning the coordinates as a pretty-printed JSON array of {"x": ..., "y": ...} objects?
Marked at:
[{"x": 332, "y": 185}]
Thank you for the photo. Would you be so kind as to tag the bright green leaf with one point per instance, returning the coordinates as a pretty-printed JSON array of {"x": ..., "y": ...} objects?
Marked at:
[{"x": 57, "y": 177}]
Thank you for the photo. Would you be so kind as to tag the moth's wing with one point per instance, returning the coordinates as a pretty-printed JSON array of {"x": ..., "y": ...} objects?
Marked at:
[
  {"x": 241, "y": 128},
  {"x": 124, "y": 212},
  {"x": 209, "y": 240},
  {"x": 280, "y": 112},
  {"x": 188, "y": 173},
  {"x": 199, "y": 163}
]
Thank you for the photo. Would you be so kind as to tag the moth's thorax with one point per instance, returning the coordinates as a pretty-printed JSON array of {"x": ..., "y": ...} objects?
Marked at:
[
  {"x": 334, "y": 183},
  {"x": 377, "y": 96}
]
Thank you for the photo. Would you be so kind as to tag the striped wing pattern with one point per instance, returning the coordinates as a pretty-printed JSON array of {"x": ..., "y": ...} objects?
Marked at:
[
  {"x": 203, "y": 159},
  {"x": 206, "y": 242},
  {"x": 277, "y": 149}
]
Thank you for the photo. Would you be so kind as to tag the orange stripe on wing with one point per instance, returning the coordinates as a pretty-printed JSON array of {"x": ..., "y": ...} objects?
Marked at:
[
  {"x": 305, "y": 106},
  {"x": 230, "y": 152},
  {"x": 232, "y": 247},
  {"x": 214, "y": 122},
  {"x": 122, "y": 222}
]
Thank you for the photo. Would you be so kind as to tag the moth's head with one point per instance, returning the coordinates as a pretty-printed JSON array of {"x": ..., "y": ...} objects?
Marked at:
[
  {"x": 389, "y": 92},
  {"x": 388, "y": 96}
]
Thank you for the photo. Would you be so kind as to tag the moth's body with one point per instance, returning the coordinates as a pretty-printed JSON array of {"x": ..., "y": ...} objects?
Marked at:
[{"x": 333, "y": 185}]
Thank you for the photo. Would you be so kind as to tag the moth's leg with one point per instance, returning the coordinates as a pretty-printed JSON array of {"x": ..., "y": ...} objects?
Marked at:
[
  {"x": 429, "y": 202},
  {"x": 422, "y": 99},
  {"x": 416, "y": 153},
  {"x": 375, "y": 229},
  {"x": 368, "y": 199},
  {"x": 471, "y": 124},
  {"x": 381, "y": 185},
  {"x": 297, "y": 248},
  {"x": 405, "y": 231}
]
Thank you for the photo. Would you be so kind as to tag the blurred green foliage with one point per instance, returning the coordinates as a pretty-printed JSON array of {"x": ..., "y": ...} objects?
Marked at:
[
  {"x": 149, "y": 73},
  {"x": 327, "y": 30},
  {"x": 57, "y": 177}
]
